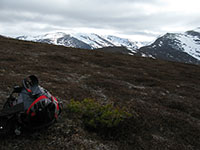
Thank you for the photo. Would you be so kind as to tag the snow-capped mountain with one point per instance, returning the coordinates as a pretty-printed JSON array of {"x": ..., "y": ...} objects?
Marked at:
[
  {"x": 84, "y": 40},
  {"x": 182, "y": 47},
  {"x": 58, "y": 38}
]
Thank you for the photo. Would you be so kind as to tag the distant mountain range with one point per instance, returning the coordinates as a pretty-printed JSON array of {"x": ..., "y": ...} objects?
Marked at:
[
  {"x": 85, "y": 41},
  {"x": 181, "y": 47}
]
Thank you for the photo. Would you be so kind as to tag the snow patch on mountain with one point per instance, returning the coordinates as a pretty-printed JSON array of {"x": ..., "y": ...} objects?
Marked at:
[
  {"x": 132, "y": 46},
  {"x": 190, "y": 44},
  {"x": 93, "y": 40},
  {"x": 50, "y": 36}
]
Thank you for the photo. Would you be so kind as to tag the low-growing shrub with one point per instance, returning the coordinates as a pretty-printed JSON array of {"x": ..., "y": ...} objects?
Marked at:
[{"x": 98, "y": 117}]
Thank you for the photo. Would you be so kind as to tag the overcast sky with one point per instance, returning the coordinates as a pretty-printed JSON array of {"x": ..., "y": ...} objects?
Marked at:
[{"x": 134, "y": 19}]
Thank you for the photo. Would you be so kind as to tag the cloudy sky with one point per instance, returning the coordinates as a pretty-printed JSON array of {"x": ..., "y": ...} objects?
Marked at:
[{"x": 134, "y": 19}]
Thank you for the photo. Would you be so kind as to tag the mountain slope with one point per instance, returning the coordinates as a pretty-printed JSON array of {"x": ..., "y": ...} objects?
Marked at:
[
  {"x": 181, "y": 47},
  {"x": 120, "y": 50},
  {"x": 83, "y": 40},
  {"x": 164, "y": 97},
  {"x": 58, "y": 38}
]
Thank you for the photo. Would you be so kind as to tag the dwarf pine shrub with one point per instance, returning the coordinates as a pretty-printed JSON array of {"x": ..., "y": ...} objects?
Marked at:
[{"x": 97, "y": 116}]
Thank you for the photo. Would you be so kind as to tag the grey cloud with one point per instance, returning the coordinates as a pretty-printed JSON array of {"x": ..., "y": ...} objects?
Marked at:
[{"x": 124, "y": 16}]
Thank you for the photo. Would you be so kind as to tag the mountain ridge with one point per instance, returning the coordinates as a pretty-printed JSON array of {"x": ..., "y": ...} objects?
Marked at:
[
  {"x": 93, "y": 40},
  {"x": 180, "y": 47}
]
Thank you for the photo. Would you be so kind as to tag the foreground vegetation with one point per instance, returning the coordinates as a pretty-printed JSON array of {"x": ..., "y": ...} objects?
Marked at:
[
  {"x": 99, "y": 118},
  {"x": 162, "y": 97}
]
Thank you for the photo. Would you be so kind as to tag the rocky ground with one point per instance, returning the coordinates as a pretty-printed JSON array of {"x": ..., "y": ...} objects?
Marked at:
[{"x": 163, "y": 96}]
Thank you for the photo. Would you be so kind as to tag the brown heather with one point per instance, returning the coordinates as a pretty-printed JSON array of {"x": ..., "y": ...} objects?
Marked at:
[{"x": 164, "y": 95}]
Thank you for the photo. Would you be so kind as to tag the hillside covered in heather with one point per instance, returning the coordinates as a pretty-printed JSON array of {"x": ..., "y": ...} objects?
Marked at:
[{"x": 163, "y": 97}]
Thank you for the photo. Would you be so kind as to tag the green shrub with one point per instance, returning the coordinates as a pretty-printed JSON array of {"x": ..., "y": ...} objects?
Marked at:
[
  {"x": 74, "y": 106},
  {"x": 96, "y": 116}
]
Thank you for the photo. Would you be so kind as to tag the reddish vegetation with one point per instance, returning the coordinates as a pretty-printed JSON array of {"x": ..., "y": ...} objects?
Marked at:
[{"x": 164, "y": 95}]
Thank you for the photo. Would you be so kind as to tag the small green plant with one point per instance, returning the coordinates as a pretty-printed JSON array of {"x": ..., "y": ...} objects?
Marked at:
[
  {"x": 97, "y": 116},
  {"x": 74, "y": 106}
]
